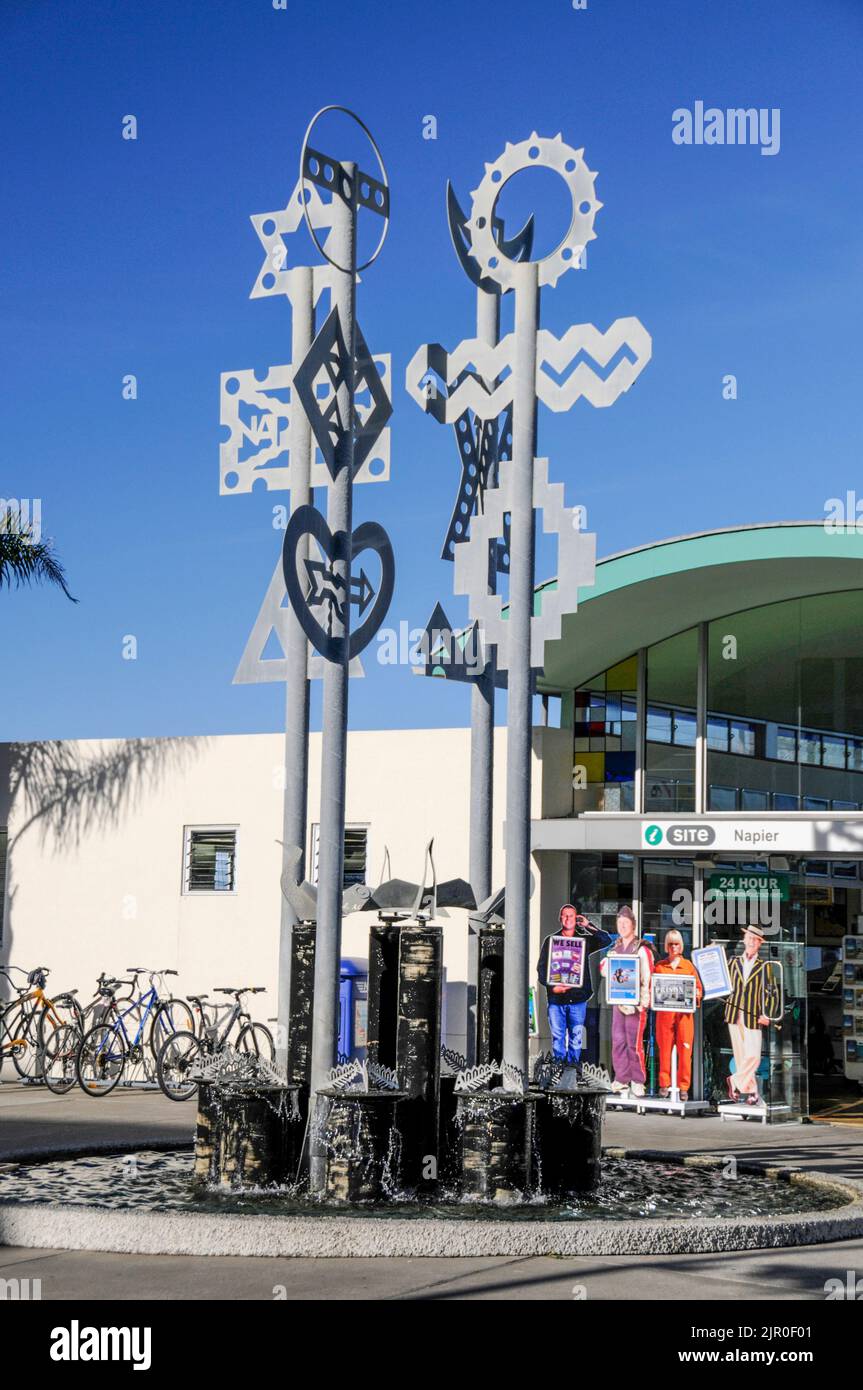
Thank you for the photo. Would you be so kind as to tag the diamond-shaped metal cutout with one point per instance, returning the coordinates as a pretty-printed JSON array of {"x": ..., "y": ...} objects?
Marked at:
[{"x": 325, "y": 364}]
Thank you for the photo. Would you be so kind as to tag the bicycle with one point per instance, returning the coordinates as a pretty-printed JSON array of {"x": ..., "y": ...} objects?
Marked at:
[
  {"x": 28, "y": 1023},
  {"x": 60, "y": 1057},
  {"x": 181, "y": 1053},
  {"x": 107, "y": 1048}
]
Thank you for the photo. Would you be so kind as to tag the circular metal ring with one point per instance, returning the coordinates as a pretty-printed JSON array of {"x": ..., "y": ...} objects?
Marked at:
[
  {"x": 384, "y": 180},
  {"x": 536, "y": 153}
]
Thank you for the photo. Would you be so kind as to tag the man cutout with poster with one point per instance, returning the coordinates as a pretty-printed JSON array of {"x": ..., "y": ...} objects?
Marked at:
[{"x": 567, "y": 1004}]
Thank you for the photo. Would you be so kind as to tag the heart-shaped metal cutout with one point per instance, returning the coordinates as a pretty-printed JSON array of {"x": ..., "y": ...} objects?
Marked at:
[{"x": 323, "y": 588}]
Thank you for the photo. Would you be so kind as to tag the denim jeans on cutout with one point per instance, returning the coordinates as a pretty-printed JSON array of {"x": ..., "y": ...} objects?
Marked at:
[{"x": 566, "y": 1022}]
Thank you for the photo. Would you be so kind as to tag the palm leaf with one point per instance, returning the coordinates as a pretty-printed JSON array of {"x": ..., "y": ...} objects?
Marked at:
[{"x": 25, "y": 560}]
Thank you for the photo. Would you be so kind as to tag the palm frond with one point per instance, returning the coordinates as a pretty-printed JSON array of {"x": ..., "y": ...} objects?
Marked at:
[{"x": 25, "y": 560}]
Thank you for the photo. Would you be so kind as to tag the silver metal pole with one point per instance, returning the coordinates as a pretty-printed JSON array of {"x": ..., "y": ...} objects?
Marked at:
[
  {"x": 482, "y": 691},
  {"x": 481, "y": 750},
  {"x": 520, "y": 680},
  {"x": 297, "y": 683},
  {"x": 331, "y": 835},
  {"x": 700, "y": 789}
]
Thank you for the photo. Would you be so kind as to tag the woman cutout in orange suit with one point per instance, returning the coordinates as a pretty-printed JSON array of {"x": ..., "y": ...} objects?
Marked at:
[{"x": 673, "y": 1029}]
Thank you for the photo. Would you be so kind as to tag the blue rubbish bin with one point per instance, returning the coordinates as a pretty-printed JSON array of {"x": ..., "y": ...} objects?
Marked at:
[{"x": 353, "y": 1008}]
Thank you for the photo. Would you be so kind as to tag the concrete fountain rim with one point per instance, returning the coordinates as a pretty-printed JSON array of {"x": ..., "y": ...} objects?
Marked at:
[{"x": 76, "y": 1227}]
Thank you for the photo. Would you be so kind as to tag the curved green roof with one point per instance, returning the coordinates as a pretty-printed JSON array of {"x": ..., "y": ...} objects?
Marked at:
[{"x": 644, "y": 595}]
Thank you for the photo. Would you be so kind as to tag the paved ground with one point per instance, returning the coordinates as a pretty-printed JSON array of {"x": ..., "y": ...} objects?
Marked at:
[{"x": 31, "y": 1119}]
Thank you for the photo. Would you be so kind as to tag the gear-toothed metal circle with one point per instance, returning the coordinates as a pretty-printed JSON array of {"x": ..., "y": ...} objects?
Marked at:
[{"x": 539, "y": 152}]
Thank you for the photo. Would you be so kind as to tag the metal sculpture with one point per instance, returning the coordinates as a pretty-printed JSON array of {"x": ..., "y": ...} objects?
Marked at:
[
  {"x": 338, "y": 358},
  {"x": 296, "y": 427},
  {"x": 488, "y": 377}
]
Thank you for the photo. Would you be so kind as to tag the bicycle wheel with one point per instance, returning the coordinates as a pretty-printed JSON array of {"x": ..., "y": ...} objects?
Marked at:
[
  {"x": 256, "y": 1039},
  {"x": 59, "y": 1059},
  {"x": 172, "y": 1016},
  {"x": 65, "y": 1009},
  {"x": 178, "y": 1055},
  {"x": 26, "y": 1053},
  {"x": 101, "y": 1060}
]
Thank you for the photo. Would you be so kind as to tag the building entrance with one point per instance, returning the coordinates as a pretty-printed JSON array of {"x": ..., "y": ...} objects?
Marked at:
[{"x": 810, "y": 1048}]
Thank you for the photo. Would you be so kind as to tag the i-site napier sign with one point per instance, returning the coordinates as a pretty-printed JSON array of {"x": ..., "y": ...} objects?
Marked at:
[{"x": 744, "y": 835}]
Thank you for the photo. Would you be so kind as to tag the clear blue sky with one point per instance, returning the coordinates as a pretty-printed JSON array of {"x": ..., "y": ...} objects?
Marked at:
[{"x": 137, "y": 257}]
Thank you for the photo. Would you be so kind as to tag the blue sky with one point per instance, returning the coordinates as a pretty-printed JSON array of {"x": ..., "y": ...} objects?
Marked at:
[{"x": 138, "y": 257}]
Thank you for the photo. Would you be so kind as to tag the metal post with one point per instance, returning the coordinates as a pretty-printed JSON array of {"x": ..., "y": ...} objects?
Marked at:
[
  {"x": 482, "y": 692},
  {"x": 700, "y": 797},
  {"x": 639, "y": 796},
  {"x": 297, "y": 683},
  {"x": 331, "y": 836},
  {"x": 481, "y": 748},
  {"x": 520, "y": 679}
]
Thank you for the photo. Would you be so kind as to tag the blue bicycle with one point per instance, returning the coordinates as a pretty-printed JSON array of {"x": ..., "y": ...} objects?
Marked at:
[{"x": 130, "y": 1036}]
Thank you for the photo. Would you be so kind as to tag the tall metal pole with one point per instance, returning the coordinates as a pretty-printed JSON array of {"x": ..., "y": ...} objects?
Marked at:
[
  {"x": 520, "y": 678},
  {"x": 295, "y": 813},
  {"x": 331, "y": 836},
  {"x": 481, "y": 746}
]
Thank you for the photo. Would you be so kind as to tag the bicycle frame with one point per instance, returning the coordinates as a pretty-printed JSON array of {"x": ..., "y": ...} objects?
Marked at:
[
  {"x": 147, "y": 1002},
  {"x": 215, "y": 1033},
  {"x": 41, "y": 1002}
]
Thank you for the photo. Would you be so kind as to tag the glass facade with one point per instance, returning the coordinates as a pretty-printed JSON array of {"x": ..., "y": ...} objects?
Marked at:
[
  {"x": 785, "y": 707},
  {"x": 604, "y": 719},
  {"x": 783, "y": 717},
  {"x": 672, "y": 676},
  {"x": 782, "y": 726}
]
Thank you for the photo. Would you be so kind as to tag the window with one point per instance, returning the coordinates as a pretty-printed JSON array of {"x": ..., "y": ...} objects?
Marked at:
[
  {"x": 833, "y": 751},
  {"x": 810, "y": 747},
  {"x": 786, "y": 745},
  {"x": 723, "y": 798},
  {"x": 753, "y": 800},
  {"x": 4, "y": 838},
  {"x": 210, "y": 859},
  {"x": 658, "y": 724},
  {"x": 356, "y": 854},
  {"x": 717, "y": 734},
  {"x": 742, "y": 739},
  {"x": 684, "y": 727}
]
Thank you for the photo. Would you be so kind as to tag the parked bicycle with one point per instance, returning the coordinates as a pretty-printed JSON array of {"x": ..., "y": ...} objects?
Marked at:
[
  {"x": 130, "y": 1037},
  {"x": 185, "y": 1051},
  {"x": 60, "y": 1057},
  {"x": 32, "y": 1020}
]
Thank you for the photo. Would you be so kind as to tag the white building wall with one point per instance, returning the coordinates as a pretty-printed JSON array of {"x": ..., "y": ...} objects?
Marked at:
[{"x": 96, "y": 833}]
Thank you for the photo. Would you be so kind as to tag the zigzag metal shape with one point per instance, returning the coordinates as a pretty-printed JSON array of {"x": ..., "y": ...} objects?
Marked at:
[
  {"x": 478, "y": 362},
  {"x": 601, "y": 347}
]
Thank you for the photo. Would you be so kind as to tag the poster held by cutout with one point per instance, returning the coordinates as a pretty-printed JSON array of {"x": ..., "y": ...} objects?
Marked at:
[
  {"x": 622, "y": 985},
  {"x": 566, "y": 961},
  {"x": 712, "y": 965},
  {"x": 673, "y": 993}
]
